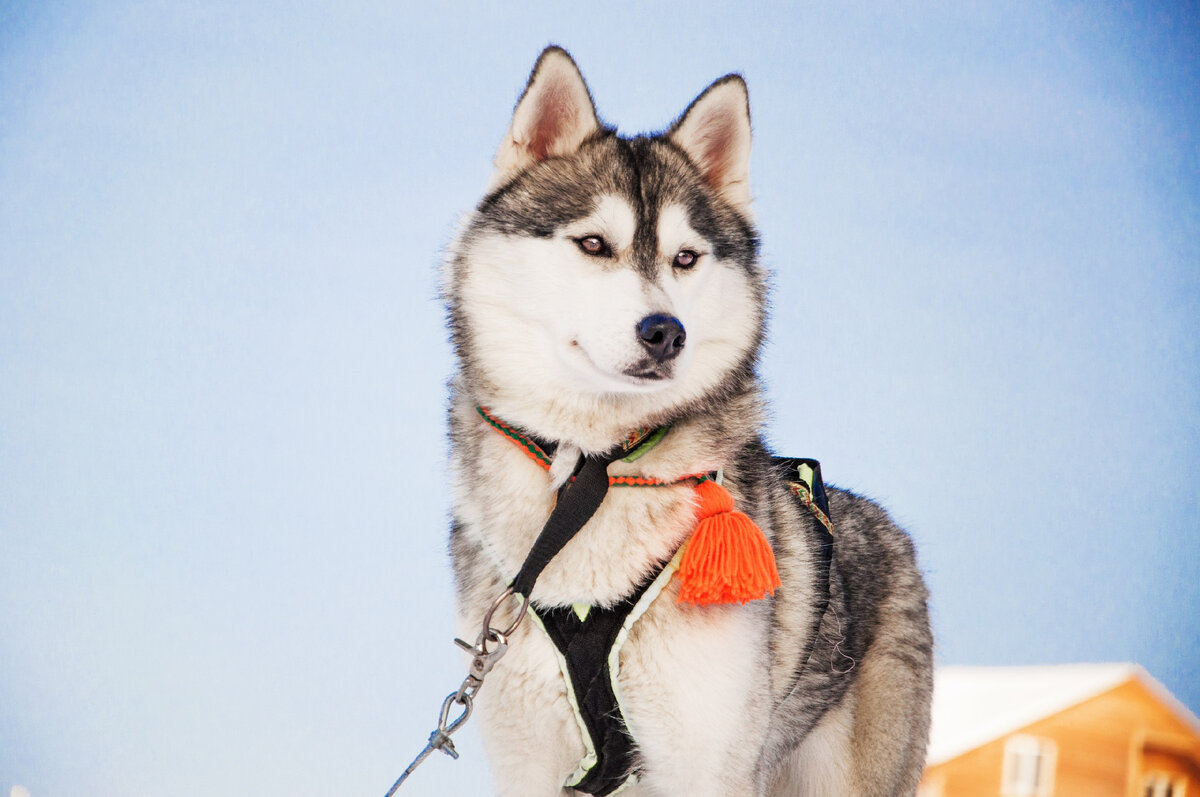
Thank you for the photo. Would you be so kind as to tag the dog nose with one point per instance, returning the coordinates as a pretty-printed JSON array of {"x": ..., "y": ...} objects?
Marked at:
[{"x": 662, "y": 335}]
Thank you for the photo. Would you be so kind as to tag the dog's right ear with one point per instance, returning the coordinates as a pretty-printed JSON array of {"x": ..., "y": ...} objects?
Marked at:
[
  {"x": 553, "y": 117},
  {"x": 715, "y": 133}
]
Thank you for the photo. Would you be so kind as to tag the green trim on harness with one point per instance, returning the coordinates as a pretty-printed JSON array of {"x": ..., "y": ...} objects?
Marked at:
[
  {"x": 614, "y": 661},
  {"x": 589, "y": 748},
  {"x": 588, "y": 654}
]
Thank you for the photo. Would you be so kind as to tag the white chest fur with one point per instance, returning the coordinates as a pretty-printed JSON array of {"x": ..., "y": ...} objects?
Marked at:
[{"x": 633, "y": 532}]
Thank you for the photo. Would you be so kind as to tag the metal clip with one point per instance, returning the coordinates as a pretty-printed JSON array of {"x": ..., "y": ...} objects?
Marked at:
[
  {"x": 483, "y": 659},
  {"x": 482, "y": 662}
]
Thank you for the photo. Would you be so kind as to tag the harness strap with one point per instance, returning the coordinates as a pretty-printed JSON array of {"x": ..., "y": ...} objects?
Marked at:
[
  {"x": 578, "y": 500},
  {"x": 803, "y": 478},
  {"x": 581, "y": 495},
  {"x": 586, "y": 644}
]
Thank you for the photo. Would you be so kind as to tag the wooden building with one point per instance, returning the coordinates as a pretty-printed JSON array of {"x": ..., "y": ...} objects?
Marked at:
[{"x": 1074, "y": 730}]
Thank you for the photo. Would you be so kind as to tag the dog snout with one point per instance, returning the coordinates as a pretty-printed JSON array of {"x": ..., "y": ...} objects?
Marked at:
[{"x": 662, "y": 336}]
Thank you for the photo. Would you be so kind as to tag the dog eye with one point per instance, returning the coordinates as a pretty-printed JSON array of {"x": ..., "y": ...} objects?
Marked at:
[
  {"x": 686, "y": 258},
  {"x": 594, "y": 245}
]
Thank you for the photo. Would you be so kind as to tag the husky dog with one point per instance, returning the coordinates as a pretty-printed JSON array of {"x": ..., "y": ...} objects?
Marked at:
[{"x": 606, "y": 284}]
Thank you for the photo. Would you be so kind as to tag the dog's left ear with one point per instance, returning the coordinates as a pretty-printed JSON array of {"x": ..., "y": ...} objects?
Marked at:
[
  {"x": 715, "y": 133},
  {"x": 554, "y": 116}
]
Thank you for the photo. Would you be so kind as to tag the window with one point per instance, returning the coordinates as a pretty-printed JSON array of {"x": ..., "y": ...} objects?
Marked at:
[
  {"x": 1029, "y": 767},
  {"x": 1159, "y": 784}
]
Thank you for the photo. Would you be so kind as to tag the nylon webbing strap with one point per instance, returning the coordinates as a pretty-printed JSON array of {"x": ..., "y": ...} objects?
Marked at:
[
  {"x": 808, "y": 472},
  {"x": 578, "y": 500},
  {"x": 585, "y": 645}
]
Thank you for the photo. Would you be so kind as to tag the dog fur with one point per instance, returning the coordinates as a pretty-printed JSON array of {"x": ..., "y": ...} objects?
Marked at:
[{"x": 545, "y": 334}]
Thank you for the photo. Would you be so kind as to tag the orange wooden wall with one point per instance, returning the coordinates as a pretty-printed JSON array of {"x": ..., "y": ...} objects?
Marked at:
[{"x": 1100, "y": 749}]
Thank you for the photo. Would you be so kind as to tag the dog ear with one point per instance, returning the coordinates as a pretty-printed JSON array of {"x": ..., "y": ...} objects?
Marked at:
[
  {"x": 553, "y": 117},
  {"x": 715, "y": 133}
]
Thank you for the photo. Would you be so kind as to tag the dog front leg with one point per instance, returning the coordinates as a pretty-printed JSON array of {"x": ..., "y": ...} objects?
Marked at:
[
  {"x": 524, "y": 762},
  {"x": 529, "y": 731},
  {"x": 698, "y": 699}
]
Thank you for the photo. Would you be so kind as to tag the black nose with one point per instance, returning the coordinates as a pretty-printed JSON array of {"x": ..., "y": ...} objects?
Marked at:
[{"x": 662, "y": 335}]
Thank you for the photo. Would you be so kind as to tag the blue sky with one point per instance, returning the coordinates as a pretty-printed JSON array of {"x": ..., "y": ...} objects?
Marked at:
[{"x": 222, "y": 471}]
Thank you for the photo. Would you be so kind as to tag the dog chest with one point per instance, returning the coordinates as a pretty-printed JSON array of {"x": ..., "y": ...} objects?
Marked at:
[{"x": 630, "y": 536}]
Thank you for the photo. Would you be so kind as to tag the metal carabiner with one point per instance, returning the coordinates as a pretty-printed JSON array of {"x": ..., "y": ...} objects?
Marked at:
[
  {"x": 487, "y": 618},
  {"x": 482, "y": 662}
]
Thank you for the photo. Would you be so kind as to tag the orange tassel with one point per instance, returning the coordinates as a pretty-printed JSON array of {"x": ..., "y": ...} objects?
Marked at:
[{"x": 728, "y": 559}]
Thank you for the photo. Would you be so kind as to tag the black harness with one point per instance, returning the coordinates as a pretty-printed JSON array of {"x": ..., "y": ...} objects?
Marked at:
[
  {"x": 587, "y": 638},
  {"x": 586, "y": 644}
]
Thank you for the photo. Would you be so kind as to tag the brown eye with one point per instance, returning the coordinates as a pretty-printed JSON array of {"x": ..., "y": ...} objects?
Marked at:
[
  {"x": 686, "y": 259},
  {"x": 593, "y": 245}
]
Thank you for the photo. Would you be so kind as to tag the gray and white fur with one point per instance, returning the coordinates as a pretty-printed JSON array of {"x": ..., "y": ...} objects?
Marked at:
[{"x": 584, "y": 240}]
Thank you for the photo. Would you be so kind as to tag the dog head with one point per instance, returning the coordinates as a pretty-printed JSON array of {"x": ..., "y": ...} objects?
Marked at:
[{"x": 607, "y": 280}]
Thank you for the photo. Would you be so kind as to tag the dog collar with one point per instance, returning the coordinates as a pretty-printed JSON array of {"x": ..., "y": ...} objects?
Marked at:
[{"x": 636, "y": 444}]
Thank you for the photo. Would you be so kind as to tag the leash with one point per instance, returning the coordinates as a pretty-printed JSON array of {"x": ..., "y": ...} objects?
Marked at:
[
  {"x": 482, "y": 663},
  {"x": 578, "y": 500}
]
